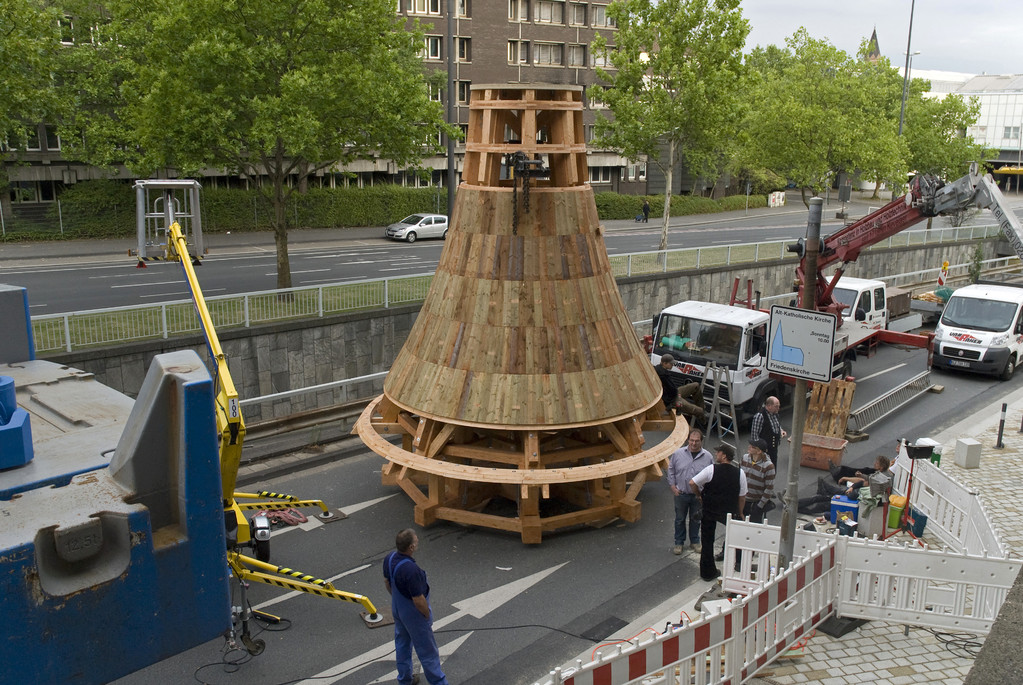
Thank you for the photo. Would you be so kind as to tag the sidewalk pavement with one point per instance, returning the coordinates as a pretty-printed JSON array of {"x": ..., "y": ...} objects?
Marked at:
[{"x": 887, "y": 653}]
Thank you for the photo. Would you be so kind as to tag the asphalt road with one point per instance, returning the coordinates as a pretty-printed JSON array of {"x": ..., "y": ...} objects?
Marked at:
[
  {"x": 84, "y": 275},
  {"x": 505, "y": 612}
]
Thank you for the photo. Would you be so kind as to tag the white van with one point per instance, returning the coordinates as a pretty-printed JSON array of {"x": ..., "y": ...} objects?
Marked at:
[{"x": 981, "y": 330}]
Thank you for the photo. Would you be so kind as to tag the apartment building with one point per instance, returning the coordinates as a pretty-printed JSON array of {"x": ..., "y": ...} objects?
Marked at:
[
  {"x": 495, "y": 41},
  {"x": 522, "y": 41}
]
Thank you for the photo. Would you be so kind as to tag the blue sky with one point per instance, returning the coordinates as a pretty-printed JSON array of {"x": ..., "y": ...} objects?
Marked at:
[{"x": 951, "y": 35}]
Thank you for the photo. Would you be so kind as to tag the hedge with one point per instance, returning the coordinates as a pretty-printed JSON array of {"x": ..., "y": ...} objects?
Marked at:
[{"x": 106, "y": 208}]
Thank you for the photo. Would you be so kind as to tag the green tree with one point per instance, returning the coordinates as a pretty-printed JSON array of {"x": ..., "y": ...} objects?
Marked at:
[
  {"x": 935, "y": 132},
  {"x": 804, "y": 113},
  {"x": 29, "y": 40},
  {"x": 275, "y": 89},
  {"x": 672, "y": 84}
]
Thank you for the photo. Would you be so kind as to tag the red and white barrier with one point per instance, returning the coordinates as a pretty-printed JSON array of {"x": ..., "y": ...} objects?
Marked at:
[{"x": 725, "y": 648}]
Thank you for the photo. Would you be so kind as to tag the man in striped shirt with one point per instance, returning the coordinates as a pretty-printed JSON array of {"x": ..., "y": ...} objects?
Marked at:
[{"x": 760, "y": 481}]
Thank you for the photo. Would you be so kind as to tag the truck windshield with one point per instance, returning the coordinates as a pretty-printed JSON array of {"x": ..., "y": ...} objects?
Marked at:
[
  {"x": 697, "y": 342},
  {"x": 844, "y": 296},
  {"x": 979, "y": 315}
]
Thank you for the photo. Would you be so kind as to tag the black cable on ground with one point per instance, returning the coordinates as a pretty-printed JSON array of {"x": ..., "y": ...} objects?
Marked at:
[{"x": 962, "y": 645}]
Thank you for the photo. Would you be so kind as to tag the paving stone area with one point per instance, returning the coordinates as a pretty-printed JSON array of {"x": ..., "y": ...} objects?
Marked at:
[{"x": 880, "y": 652}]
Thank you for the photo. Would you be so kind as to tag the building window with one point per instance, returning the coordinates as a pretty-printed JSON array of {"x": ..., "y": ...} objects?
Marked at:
[
  {"x": 598, "y": 14},
  {"x": 465, "y": 8},
  {"x": 52, "y": 139},
  {"x": 463, "y": 92},
  {"x": 435, "y": 93},
  {"x": 549, "y": 54},
  {"x": 465, "y": 132},
  {"x": 518, "y": 10},
  {"x": 518, "y": 52},
  {"x": 32, "y": 138},
  {"x": 549, "y": 12},
  {"x": 602, "y": 60},
  {"x": 600, "y": 174},
  {"x": 1012, "y": 132},
  {"x": 423, "y": 6},
  {"x": 577, "y": 14},
  {"x": 431, "y": 48},
  {"x": 67, "y": 30},
  {"x": 588, "y": 133},
  {"x": 576, "y": 55},
  {"x": 632, "y": 172},
  {"x": 641, "y": 176},
  {"x": 596, "y": 102},
  {"x": 464, "y": 49}
]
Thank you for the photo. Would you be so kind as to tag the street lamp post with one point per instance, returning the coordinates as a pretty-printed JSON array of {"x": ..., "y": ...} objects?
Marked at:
[
  {"x": 909, "y": 57},
  {"x": 905, "y": 85}
]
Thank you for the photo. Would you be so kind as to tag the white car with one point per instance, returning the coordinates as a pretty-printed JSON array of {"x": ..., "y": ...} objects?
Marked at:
[{"x": 416, "y": 226}]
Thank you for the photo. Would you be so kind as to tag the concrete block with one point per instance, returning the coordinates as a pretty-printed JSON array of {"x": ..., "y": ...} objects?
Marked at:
[{"x": 967, "y": 453}]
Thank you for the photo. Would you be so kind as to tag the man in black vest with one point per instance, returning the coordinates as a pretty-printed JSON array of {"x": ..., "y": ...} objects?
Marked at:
[
  {"x": 766, "y": 427},
  {"x": 722, "y": 489}
]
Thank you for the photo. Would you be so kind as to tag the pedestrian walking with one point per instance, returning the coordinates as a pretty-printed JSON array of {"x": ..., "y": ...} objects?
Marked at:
[
  {"x": 410, "y": 605},
  {"x": 721, "y": 489}
]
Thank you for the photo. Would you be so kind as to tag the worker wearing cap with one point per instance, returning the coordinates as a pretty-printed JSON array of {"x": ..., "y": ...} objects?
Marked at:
[{"x": 721, "y": 487}]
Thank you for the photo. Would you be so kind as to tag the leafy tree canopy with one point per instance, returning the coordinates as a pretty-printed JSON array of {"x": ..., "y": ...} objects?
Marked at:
[
  {"x": 672, "y": 79},
  {"x": 281, "y": 88},
  {"x": 29, "y": 40}
]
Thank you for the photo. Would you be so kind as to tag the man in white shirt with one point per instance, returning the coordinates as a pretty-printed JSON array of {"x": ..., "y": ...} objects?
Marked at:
[{"x": 721, "y": 488}]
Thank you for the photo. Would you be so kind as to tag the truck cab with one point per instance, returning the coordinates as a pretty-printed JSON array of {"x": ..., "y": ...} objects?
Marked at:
[
  {"x": 733, "y": 338},
  {"x": 981, "y": 330},
  {"x": 866, "y": 300}
]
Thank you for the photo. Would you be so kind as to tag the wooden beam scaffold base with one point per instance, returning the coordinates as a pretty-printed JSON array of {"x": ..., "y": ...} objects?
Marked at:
[{"x": 546, "y": 478}]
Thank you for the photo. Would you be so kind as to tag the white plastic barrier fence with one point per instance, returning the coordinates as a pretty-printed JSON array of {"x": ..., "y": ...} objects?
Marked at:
[
  {"x": 955, "y": 514},
  {"x": 922, "y": 587},
  {"x": 885, "y": 580},
  {"x": 729, "y": 646}
]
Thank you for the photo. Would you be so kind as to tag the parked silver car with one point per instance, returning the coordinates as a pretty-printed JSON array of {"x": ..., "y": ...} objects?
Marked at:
[{"x": 416, "y": 226}]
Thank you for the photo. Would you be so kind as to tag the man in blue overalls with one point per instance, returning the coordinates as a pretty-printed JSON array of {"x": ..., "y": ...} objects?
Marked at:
[{"x": 413, "y": 624}]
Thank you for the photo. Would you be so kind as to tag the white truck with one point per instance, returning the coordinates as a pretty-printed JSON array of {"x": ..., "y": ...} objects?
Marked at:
[
  {"x": 735, "y": 339},
  {"x": 981, "y": 329}
]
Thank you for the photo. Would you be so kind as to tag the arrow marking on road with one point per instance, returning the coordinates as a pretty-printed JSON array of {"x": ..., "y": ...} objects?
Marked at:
[
  {"x": 352, "y": 508},
  {"x": 476, "y": 606},
  {"x": 444, "y": 650}
]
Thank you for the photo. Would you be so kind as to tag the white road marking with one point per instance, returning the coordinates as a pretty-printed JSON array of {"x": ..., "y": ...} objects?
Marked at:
[
  {"x": 879, "y": 373},
  {"x": 147, "y": 284},
  {"x": 477, "y": 606},
  {"x": 444, "y": 650}
]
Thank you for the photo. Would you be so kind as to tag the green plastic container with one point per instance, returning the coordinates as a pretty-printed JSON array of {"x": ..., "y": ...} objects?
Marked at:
[{"x": 894, "y": 515}]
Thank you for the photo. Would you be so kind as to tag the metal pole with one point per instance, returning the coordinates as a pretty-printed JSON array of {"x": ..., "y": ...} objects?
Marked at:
[
  {"x": 452, "y": 94},
  {"x": 905, "y": 74},
  {"x": 1001, "y": 426},
  {"x": 788, "y": 517}
]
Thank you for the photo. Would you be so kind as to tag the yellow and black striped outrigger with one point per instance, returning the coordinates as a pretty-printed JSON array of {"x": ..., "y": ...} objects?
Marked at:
[{"x": 231, "y": 430}]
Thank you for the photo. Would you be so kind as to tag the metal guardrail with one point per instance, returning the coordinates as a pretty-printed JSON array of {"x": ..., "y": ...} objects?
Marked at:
[{"x": 117, "y": 325}]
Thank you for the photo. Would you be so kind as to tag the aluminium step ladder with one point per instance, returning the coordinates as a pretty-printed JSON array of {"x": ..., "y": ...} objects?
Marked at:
[{"x": 716, "y": 388}]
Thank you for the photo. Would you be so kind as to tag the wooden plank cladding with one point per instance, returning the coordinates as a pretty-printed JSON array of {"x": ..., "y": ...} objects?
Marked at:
[{"x": 522, "y": 381}]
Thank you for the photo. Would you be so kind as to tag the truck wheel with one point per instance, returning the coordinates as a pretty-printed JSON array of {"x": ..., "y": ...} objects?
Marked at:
[{"x": 1010, "y": 368}]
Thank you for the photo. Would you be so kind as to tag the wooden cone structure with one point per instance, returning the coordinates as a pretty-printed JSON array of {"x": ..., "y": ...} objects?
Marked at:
[{"x": 522, "y": 392}]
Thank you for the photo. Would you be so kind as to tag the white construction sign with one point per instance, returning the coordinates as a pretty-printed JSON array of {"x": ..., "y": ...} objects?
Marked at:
[{"x": 801, "y": 343}]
